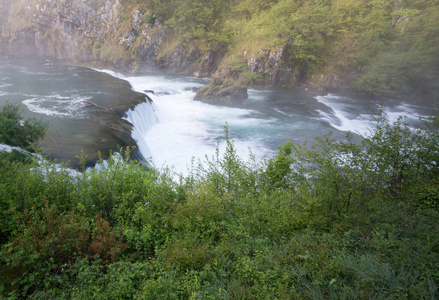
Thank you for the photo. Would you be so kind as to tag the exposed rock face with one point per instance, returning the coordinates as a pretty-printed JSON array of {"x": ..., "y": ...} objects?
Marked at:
[
  {"x": 221, "y": 91},
  {"x": 270, "y": 63},
  {"x": 95, "y": 32},
  {"x": 64, "y": 31},
  {"x": 118, "y": 35}
]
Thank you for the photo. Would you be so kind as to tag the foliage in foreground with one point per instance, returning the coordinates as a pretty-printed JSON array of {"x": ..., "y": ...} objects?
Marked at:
[
  {"x": 337, "y": 220},
  {"x": 15, "y": 131}
]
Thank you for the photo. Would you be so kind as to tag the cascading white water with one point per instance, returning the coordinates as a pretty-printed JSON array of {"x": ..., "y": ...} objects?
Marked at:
[
  {"x": 340, "y": 115},
  {"x": 346, "y": 114},
  {"x": 173, "y": 129},
  {"x": 143, "y": 117}
]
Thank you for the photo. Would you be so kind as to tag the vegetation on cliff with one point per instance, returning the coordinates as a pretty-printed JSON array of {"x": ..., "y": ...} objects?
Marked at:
[
  {"x": 338, "y": 220},
  {"x": 381, "y": 47}
]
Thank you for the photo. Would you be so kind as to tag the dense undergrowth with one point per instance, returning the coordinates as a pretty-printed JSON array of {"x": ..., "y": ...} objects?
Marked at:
[{"x": 338, "y": 220}]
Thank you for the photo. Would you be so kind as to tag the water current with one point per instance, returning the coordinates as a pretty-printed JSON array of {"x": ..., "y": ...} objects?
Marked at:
[{"x": 173, "y": 129}]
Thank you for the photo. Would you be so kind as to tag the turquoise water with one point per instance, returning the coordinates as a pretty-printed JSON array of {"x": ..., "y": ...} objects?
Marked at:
[
  {"x": 173, "y": 129},
  {"x": 179, "y": 128}
]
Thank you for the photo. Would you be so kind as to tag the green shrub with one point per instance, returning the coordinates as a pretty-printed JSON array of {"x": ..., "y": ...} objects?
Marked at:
[
  {"x": 336, "y": 220},
  {"x": 14, "y": 156},
  {"x": 187, "y": 253},
  {"x": 15, "y": 131},
  {"x": 48, "y": 243},
  {"x": 150, "y": 18}
]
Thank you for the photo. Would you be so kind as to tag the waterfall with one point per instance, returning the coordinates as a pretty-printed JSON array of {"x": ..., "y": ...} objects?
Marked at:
[
  {"x": 347, "y": 114},
  {"x": 172, "y": 130},
  {"x": 143, "y": 117}
]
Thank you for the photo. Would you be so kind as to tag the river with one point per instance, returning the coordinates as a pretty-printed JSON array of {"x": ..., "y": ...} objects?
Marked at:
[{"x": 173, "y": 129}]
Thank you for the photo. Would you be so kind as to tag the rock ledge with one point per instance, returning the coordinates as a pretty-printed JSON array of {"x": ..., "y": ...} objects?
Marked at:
[{"x": 221, "y": 90}]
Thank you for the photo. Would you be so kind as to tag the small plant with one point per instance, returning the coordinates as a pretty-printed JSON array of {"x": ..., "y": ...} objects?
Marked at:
[
  {"x": 335, "y": 220},
  {"x": 149, "y": 19}
]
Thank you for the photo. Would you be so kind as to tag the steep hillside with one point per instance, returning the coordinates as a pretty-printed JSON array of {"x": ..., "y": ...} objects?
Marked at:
[
  {"x": 381, "y": 47},
  {"x": 112, "y": 33}
]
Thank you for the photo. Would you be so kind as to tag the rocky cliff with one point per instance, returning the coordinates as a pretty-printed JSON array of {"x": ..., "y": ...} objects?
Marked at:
[
  {"x": 96, "y": 32},
  {"x": 119, "y": 35},
  {"x": 57, "y": 30}
]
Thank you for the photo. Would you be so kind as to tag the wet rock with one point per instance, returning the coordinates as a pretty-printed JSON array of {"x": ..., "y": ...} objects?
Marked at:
[
  {"x": 163, "y": 93},
  {"x": 221, "y": 90}
]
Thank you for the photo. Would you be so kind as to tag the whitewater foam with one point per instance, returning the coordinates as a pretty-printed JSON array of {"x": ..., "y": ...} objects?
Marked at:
[
  {"x": 58, "y": 105},
  {"x": 340, "y": 113},
  {"x": 175, "y": 129}
]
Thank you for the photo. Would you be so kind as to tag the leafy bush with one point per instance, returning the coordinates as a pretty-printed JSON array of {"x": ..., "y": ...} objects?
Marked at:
[
  {"x": 48, "y": 243},
  {"x": 14, "y": 156},
  {"x": 335, "y": 220},
  {"x": 15, "y": 131},
  {"x": 150, "y": 19}
]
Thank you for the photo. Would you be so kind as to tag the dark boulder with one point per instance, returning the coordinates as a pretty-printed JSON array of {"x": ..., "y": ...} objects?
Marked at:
[{"x": 221, "y": 90}]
